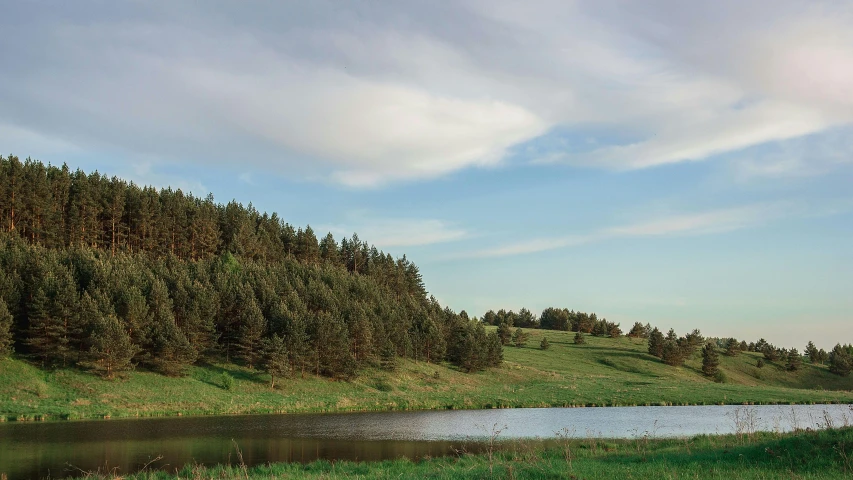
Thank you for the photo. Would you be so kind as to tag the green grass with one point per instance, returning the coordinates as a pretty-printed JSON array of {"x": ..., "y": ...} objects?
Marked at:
[
  {"x": 603, "y": 372},
  {"x": 801, "y": 455}
]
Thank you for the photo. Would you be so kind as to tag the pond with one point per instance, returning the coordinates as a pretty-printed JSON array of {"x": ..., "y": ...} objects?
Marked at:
[{"x": 31, "y": 450}]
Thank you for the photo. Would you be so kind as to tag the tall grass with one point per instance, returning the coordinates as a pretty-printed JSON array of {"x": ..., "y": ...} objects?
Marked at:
[{"x": 818, "y": 455}]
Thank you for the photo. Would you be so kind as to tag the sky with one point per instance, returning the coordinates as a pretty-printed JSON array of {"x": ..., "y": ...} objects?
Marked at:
[{"x": 686, "y": 164}]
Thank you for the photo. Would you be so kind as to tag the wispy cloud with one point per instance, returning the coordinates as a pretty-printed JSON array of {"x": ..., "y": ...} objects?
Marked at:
[
  {"x": 397, "y": 232},
  {"x": 715, "y": 221},
  {"x": 363, "y": 97}
]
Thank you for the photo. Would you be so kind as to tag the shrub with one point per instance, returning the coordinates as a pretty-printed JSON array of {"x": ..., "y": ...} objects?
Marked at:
[{"x": 227, "y": 381}]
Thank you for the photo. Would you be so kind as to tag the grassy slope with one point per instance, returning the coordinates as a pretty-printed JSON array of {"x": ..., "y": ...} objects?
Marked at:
[
  {"x": 602, "y": 372},
  {"x": 805, "y": 455}
]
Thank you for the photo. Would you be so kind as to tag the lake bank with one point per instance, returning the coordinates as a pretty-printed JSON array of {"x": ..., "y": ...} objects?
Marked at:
[
  {"x": 815, "y": 455},
  {"x": 604, "y": 372},
  {"x": 33, "y": 450}
]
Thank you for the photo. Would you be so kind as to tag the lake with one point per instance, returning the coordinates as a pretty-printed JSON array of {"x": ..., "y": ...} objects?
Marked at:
[{"x": 29, "y": 450}]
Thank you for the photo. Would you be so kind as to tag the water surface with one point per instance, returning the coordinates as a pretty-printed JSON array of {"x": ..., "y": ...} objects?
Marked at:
[{"x": 31, "y": 450}]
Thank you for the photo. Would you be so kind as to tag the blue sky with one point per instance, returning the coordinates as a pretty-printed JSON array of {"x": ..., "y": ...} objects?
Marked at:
[{"x": 680, "y": 164}]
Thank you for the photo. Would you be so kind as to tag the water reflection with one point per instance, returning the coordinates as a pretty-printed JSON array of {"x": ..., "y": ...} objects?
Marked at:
[{"x": 56, "y": 449}]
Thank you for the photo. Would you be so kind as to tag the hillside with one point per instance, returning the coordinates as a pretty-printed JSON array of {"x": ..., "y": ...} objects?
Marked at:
[{"x": 604, "y": 371}]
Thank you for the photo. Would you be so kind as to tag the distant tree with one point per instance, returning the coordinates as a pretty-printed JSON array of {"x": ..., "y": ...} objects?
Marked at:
[
  {"x": 673, "y": 353},
  {"x": 759, "y": 363},
  {"x": 274, "y": 358},
  {"x": 695, "y": 339},
  {"x": 710, "y": 360},
  {"x": 579, "y": 339},
  {"x": 812, "y": 352},
  {"x": 525, "y": 319},
  {"x": 638, "y": 331},
  {"x": 520, "y": 337},
  {"x": 505, "y": 333},
  {"x": 112, "y": 349},
  {"x": 6, "y": 323},
  {"x": 839, "y": 361},
  {"x": 732, "y": 347},
  {"x": 388, "y": 356},
  {"x": 821, "y": 357},
  {"x": 656, "y": 341},
  {"x": 770, "y": 352},
  {"x": 554, "y": 319},
  {"x": 544, "y": 345},
  {"x": 46, "y": 336},
  {"x": 794, "y": 360}
]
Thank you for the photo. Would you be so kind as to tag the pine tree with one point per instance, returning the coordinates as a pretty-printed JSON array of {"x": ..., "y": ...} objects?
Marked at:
[
  {"x": 656, "y": 343},
  {"x": 710, "y": 360},
  {"x": 579, "y": 339},
  {"x": 252, "y": 327},
  {"x": 169, "y": 352},
  {"x": 673, "y": 353},
  {"x": 794, "y": 360},
  {"x": 840, "y": 362},
  {"x": 544, "y": 345},
  {"x": 46, "y": 337},
  {"x": 111, "y": 349},
  {"x": 519, "y": 338},
  {"x": 275, "y": 358},
  {"x": 732, "y": 347},
  {"x": 812, "y": 352},
  {"x": 638, "y": 331},
  {"x": 505, "y": 333},
  {"x": 388, "y": 356},
  {"x": 6, "y": 323}
]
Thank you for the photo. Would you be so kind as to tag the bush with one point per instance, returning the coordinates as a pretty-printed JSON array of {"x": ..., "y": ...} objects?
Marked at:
[
  {"x": 721, "y": 377},
  {"x": 227, "y": 381}
]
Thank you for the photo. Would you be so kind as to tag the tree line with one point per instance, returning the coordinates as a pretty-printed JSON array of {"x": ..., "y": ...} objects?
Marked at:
[
  {"x": 671, "y": 348},
  {"x": 554, "y": 319},
  {"x": 99, "y": 273}
]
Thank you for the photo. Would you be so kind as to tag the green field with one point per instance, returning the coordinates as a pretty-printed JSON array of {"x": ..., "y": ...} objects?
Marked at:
[
  {"x": 801, "y": 455},
  {"x": 603, "y": 372}
]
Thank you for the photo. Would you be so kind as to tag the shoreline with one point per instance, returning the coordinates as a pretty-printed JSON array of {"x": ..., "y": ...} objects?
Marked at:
[{"x": 11, "y": 419}]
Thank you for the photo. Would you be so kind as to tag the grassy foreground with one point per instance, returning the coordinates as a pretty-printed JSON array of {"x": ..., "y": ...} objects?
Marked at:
[
  {"x": 824, "y": 454},
  {"x": 604, "y": 372}
]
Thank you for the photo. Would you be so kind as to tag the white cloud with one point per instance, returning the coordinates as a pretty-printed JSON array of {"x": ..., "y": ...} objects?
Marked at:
[
  {"x": 703, "y": 223},
  {"x": 397, "y": 232},
  {"x": 412, "y": 91}
]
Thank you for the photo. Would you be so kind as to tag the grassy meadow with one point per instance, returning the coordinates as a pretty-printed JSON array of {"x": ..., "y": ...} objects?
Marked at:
[
  {"x": 820, "y": 455},
  {"x": 603, "y": 372}
]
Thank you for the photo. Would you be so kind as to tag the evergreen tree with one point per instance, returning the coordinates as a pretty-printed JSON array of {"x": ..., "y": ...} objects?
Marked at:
[
  {"x": 388, "y": 357},
  {"x": 710, "y": 360},
  {"x": 6, "y": 323},
  {"x": 544, "y": 345},
  {"x": 638, "y": 331},
  {"x": 505, "y": 333},
  {"x": 673, "y": 353},
  {"x": 656, "y": 341},
  {"x": 275, "y": 358},
  {"x": 519, "y": 338},
  {"x": 169, "y": 351},
  {"x": 812, "y": 352},
  {"x": 840, "y": 362},
  {"x": 112, "y": 349},
  {"x": 579, "y": 339},
  {"x": 732, "y": 347},
  {"x": 794, "y": 360},
  {"x": 252, "y": 327},
  {"x": 46, "y": 335}
]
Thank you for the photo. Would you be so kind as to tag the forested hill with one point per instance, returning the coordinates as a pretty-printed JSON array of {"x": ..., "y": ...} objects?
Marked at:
[{"x": 104, "y": 274}]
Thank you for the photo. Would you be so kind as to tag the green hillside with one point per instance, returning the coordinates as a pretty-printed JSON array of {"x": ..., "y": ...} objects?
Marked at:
[{"x": 604, "y": 371}]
